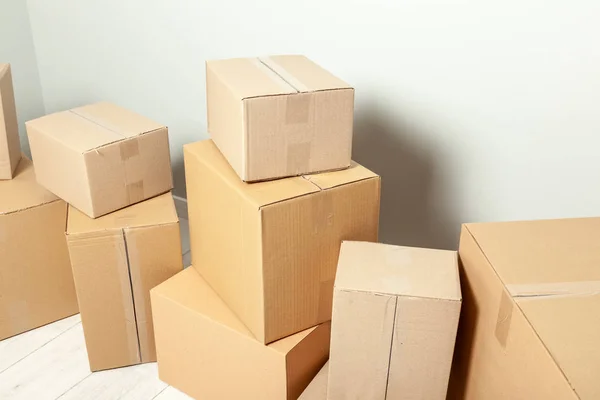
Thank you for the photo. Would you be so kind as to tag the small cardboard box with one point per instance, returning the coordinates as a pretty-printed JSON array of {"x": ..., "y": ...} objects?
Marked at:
[
  {"x": 10, "y": 144},
  {"x": 317, "y": 389},
  {"x": 270, "y": 249},
  {"x": 279, "y": 116},
  {"x": 530, "y": 327},
  {"x": 36, "y": 284},
  {"x": 205, "y": 351},
  {"x": 116, "y": 260},
  {"x": 395, "y": 316},
  {"x": 101, "y": 157}
]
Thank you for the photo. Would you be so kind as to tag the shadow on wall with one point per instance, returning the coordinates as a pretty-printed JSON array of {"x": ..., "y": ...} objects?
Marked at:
[{"x": 410, "y": 215}]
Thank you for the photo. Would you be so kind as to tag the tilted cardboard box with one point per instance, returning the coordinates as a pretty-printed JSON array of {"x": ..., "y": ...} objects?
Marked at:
[
  {"x": 116, "y": 260},
  {"x": 270, "y": 249},
  {"x": 317, "y": 389},
  {"x": 279, "y": 116},
  {"x": 395, "y": 316},
  {"x": 36, "y": 284},
  {"x": 205, "y": 351},
  {"x": 530, "y": 327},
  {"x": 101, "y": 157},
  {"x": 10, "y": 144}
]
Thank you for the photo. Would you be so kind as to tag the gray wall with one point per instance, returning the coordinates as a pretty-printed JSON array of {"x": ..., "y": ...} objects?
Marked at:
[{"x": 471, "y": 111}]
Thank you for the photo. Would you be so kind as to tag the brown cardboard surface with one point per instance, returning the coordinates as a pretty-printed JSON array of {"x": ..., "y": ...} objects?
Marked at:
[
  {"x": 270, "y": 249},
  {"x": 279, "y": 116},
  {"x": 112, "y": 157},
  {"x": 205, "y": 351},
  {"x": 116, "y": 260},
  {"x": 317, "y": 390},
  {"x": 395, "y": 316},
  {"x": 531, "y": 306},
  {"x": 36, "y": 284},
  {"x": 10, "y": 144}
]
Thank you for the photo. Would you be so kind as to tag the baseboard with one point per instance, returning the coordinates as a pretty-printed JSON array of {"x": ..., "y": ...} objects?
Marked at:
[{"x": 181, "y": 207}]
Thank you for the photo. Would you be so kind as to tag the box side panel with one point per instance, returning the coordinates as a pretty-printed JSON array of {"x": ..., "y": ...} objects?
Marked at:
[
  {"x": 154, "y": 256},
  {"x": 225, "y": 242},
  {"x": 99, "y": 262},
  {"x": 60, "y": 169},
  {"x": 301, "y": 244},
  {"x": 225, "y": 121},
  {"x": 422, "y": 348},
  {"x": 498, "y": 355},
  {"x": 209, "y": 361},
  {"x": 36, "y": 284},
  {"x": 129, "y": 171},
  {"x": 306, "y": 359},
  {"x": 10, "y": 144},
  {"x": 361, "y": 338},
  {"x": 317, "y": 390}
]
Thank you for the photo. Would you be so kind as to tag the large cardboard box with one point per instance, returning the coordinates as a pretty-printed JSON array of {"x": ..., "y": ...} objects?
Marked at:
[
  {"x": 10, "y": 144},
  {"x": 36, "y": 285},
  {"x": 101, "y": 157},
  {"x": 270, "y": 249},
  {"x": 530, "y": 327},
  {"x": 395, "y": 316},
  {"x": 317, "y": 389},
  {"x": 116, "y": 260},
  {"x": 279, "y": 116},
  {"x": 205, "y": 351}
]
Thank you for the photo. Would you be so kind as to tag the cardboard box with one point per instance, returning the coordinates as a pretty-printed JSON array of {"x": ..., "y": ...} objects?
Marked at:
[
  {"x": 116, "y": 260},
  {"x": 10, "y": 144},
  {"x": 530, "y": 327},
  {"x": 101, "y": 157},
  {"x": 395, "y": 316},
  {"x": 317, "y": 389},
  {"x": 36, "y": 285},
  {"x": 279, "y": 116},
  {"x": 205, "y": 351},
  {"x": 270, "y": 249}
]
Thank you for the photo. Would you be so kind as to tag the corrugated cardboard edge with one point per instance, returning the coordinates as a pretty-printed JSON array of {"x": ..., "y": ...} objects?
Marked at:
[
  {"x": 505, "y": 310},
  {"x": 28, "y": 207}
]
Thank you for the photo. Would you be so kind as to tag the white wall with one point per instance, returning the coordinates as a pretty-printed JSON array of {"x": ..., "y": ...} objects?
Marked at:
[
  {"x": 470, "y": 110},
  {"x": 16, "y": 48}
]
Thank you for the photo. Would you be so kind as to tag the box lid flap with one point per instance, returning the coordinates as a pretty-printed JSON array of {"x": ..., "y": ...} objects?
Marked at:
[
  {"x": 275, "y": 75},
  {"x": 398, "y": 270},
  {"x": 93, "y": 126},
  {"x": 23, "y": 191},
  {"x": 569, "y": 326},
  {"x": 156, "y": 211},
  {"x": 546, "y": 251},
  {"x": 269, "y": 192}
]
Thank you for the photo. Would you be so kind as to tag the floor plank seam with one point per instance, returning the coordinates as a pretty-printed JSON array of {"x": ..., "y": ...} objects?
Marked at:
[
  {"x": 72, "y": 387},
  {"x": 159, "y": 393},
  {"x": 37, "y": 349}
]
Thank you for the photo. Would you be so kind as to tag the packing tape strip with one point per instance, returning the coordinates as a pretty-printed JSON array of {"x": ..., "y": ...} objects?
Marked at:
[
  {"x": 298, "y": 158},
  {"x": 554, "y": 289},
  {"x": 323, "y": 218},
  {"x": 129, "y": 148},
  {"x": 98, "y": 121},
  {"x": 504, "y": 318},
  {"x": 135, "y": 192},
  {"x": 284, "y": 74},
  {"x": 299, "y": 109},
  {"x": 276, "y": 78}
]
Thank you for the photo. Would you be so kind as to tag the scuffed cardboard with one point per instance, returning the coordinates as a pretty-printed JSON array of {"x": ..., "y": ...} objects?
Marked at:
[
  {"x": 205, "y": 351},
  {"x": 279, "y": 116},
  {"x": 530, "y": 324},
  {"x": 10, "y": 144},
  {"x": 270, "y": 249},
  {"x": 116, "y": 260},
  {"x": 395, "y": 316},
  {"x": 101, "y": 158},
  {"x": 36, "y": 284}
]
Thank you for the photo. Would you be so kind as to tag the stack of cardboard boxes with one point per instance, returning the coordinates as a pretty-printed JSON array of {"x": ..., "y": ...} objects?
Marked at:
[
  {"x": 251, "y": 318},
  {"x": 113, "y": 169}
]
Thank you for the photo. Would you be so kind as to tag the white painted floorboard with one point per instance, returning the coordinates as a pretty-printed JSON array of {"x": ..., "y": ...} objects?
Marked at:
[{"x": 51, "y": 363}]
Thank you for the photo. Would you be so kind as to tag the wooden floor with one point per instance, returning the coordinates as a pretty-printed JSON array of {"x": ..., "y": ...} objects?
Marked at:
[{"x": 51, "y": 363}]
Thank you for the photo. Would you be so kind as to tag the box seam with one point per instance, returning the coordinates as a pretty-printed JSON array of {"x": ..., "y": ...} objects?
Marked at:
[
  {"x": 387, "y": 378},
  {"x": 137, "y": 333}
]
